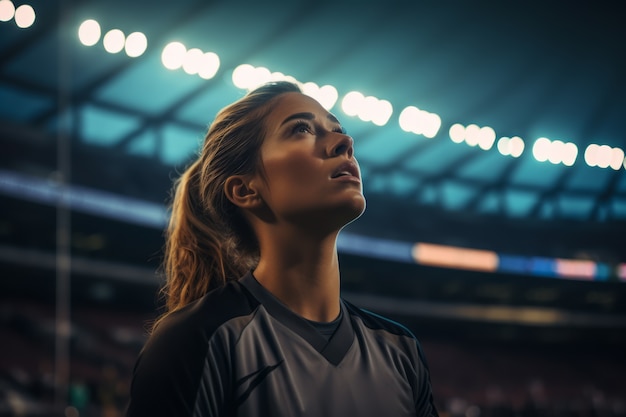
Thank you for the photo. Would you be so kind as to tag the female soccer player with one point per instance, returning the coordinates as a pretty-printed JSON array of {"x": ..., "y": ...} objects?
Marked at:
[{"x": 255, "y": 324}]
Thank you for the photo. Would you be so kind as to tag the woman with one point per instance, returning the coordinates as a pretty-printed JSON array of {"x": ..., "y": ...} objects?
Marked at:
[{"x": 255, "y": 325}]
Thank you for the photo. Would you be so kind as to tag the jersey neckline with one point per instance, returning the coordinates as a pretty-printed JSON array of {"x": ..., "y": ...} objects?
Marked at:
[{"x": 334, "y": 350}]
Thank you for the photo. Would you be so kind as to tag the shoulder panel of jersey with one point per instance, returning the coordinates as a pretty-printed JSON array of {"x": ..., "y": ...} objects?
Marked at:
[
  {"x": 168, "y": 371},
  {"x": 377, "y": 322}
]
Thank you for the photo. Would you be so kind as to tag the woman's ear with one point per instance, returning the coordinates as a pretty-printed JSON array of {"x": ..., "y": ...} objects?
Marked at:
[{"x": 242, "y": 192}]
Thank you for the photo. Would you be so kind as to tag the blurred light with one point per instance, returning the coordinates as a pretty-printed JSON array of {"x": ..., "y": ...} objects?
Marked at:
[
  {"x": 136, "y": 44},
  {"x": 114, "y": 41},
  {"x": 511, "y": 146},
  {"x": 457, "y": 133},
  {"x": 570, "y": 152},
  {"x": 617, "y": 158},
  {"x": 326, "y": 95},
  {"x": 486, "y": 138},
  {"x": 472, "y": 134},
  {"x": 24, "y": 16},
  {"x": 368, "y": 109},
  {"x": 248, "y": 77},
  {"x": 279, "y": 76},
  {"x": 173, "y": 55},
  {"x": 7, "y": 10},
  {"x": 384, "y": 109},
  {"x": 192, "y": 61},
  {"x": 516, "y": 146},
  {"x": 420, "y": 122},
  {"x": 352, "y": 102},
  {"x": 209, "y": 64},
  {"x": 574, "y": 268},
  {"x": 541, "y": 149},
  {"x": 89, "y": 32},
  {"x": 455, "y": 257},
  {"x": 260, "y": 75},
  {"x": 557, "y": 152},
  {"x": 242, "y": 75},
  {"x": 604, "y": 156}
]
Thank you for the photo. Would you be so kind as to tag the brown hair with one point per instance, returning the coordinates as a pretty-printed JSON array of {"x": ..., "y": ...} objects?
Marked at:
[{"x": 208, "y": 242}]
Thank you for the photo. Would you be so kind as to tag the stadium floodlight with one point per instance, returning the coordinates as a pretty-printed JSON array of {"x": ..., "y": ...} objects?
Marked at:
[
  {"x": 114, "y": 41},
  {"x": 7, "y": 10},
  {"x": 173, "y": 55},
  {"x": 89, "y": 32},
  {"x": 24, "y": 16},
  {"x": 136, "y": 44}
]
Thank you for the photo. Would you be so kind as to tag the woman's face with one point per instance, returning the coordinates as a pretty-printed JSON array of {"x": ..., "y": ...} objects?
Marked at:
[{"x": 310, "y": 173}]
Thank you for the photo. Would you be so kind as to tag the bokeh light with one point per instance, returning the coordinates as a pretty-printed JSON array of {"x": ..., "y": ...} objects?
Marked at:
[
  {"x": 24, "y": 16},
  {"x": 114, "y": 41},
  {"x": 173, "y": 55},
  {"x": 136, "y": 44},
  {"x": 89, "y": 32},
  {"x": 7, "y": 10}
]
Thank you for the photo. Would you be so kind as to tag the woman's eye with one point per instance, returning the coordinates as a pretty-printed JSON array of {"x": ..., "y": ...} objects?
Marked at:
[{"x": 302, "y": 127}]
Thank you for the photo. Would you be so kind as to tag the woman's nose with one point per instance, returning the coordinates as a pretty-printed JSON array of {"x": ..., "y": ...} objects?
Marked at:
[{"x": 342, "y": 145}]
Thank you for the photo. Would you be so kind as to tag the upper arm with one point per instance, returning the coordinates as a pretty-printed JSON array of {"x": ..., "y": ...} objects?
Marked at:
[{"x": 179, "y": 375}]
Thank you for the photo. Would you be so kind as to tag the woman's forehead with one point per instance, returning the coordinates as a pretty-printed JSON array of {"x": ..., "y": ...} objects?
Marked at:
[{"x": 292, "y": 103}]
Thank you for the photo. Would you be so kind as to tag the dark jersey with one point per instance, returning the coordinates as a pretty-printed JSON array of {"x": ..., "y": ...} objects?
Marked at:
[{"x": 239, "y": 351}]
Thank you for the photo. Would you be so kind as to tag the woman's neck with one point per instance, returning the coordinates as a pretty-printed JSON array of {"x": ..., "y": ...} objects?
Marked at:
[{"x": 303, "y": 274}]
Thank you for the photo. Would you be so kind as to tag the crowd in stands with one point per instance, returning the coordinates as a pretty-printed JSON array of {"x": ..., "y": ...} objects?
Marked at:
[{"x": 469, "y": 380}]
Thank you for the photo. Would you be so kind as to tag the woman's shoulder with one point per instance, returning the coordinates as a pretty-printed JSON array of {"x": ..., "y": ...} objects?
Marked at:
[{"x": 202, "y": 317}]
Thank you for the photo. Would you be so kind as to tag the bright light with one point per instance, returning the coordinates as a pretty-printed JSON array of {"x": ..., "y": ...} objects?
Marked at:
[
  {"x": 570, "y": 152},
  {"x": 326, "y": 95},
  {"x": 557, "y": 152},
  {"x": 472, "y": 134},
  {"x": 209, "y": 64},
  {"x": 192, "y": 61},
  {"x": 261, "y": 75},
  {"x": 486, "y": 138},
  {"x": 279, "y": 76},
  {"x": 7, "y": 10},
  {"x": 420, "y": 122},
  {"x": 457, "y": 133},
  {"x": 24, "y": 16},
  {"x": 617, "y": 158},
  {"x": 136, "y": 44},
  {"x": 541, "y": 149},
  {"x": 603, "y": 156},
  {"x": 511, "y": 146},
  {"x": 516, "y": 146},
  {"x": 173, "y": 55},
  {"x": 368, "y": 109},
  {"x": 384, "y": 109},
  {"x": 114, "y": 41},
  {"x": 247, "y": 77},
  {"x": 242, "y": 76},
  {"x": 352, "y": 103},
  {"x": 89, "y": 32}
]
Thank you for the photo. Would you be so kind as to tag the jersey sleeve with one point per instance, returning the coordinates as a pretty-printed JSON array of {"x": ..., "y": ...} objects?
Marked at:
[
  {"x": 424, "y": 401},
  {"x": 179, "y": 373}
]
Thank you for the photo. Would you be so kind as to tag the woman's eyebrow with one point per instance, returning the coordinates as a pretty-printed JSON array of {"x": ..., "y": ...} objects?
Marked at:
[{"x": 308, "y": 116}]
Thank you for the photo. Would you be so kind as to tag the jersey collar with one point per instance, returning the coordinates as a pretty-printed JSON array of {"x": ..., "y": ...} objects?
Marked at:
[{"x": 334, "y": 350}]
